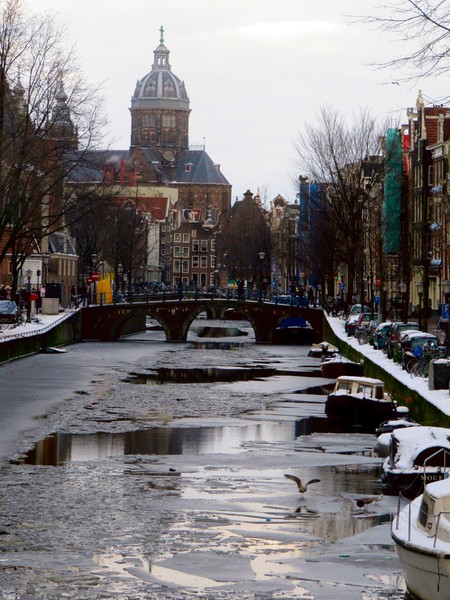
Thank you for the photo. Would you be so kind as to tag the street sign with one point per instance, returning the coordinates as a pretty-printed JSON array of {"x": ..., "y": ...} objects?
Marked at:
[
  {"x": 444, "y": 313},
  {"x": 94, "y": 276}
]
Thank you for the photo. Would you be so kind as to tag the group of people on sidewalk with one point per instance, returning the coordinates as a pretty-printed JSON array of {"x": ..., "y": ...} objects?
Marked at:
[{"x": 79, "y": 296}]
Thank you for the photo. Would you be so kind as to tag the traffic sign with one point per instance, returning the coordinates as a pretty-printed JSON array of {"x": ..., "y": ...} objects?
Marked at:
[{"x": 94, "y": 276}]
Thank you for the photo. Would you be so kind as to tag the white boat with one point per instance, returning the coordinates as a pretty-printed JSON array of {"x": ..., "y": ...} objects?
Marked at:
[
  {"x": 418, "y": 456},
  {"x": 421, "y": 532}
]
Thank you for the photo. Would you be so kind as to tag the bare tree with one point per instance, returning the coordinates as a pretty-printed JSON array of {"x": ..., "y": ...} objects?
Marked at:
[
  {"x": 50, "y": 119},
  {"x": 337, "y": 155},
  {"x": 423, "y": 27},
  {"x": 244, "y": 239}
]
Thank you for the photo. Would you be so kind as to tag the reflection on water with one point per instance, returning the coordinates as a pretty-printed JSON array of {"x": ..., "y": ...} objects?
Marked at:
[
  {"x": 63, "y": 448},
  {"x": 198, "y": 375}
]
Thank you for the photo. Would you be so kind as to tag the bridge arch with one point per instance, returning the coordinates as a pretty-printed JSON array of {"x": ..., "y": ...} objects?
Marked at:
[{"x": 175, "y": 317}]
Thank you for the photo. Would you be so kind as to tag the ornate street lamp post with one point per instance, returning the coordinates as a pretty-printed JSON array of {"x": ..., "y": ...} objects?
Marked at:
[
  {"x": 261, "y": 260},
  {"x": 419, "y": 286},
  {"x": 402, "y": 290},
  {"x": 29, "y": 273}
]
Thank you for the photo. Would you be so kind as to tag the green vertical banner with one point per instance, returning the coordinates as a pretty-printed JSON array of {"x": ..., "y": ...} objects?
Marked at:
[{"x": 392, "y": 193}]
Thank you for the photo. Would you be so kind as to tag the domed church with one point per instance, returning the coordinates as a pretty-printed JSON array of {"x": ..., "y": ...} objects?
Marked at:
[
  {"x": 159, "y": 149},
  {"x": 180, "y": 189}
]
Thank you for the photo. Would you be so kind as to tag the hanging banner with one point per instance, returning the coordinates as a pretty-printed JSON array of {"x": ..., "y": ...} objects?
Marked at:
[{"x": 191, "y": 215}]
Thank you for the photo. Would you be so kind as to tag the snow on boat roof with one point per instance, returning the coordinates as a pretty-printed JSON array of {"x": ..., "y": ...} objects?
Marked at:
[
  {"x": 410, "y": 441},
  {"x": 364, "y": 380},
  {"x": 439, "y": 489}
]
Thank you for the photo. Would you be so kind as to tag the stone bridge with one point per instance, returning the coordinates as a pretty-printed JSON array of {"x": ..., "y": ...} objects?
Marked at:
[{"x": 110, "y": 321}]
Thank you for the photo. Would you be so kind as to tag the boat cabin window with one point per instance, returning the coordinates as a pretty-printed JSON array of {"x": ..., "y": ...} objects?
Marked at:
[
  {"x": 423, "y": 512},
  {"x": 366, "y": 390}
]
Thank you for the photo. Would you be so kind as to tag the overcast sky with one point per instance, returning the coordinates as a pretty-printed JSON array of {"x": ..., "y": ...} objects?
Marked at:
[{"x": 255, "y": 72}]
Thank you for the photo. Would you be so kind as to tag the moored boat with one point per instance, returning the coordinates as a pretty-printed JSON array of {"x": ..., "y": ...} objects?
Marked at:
[
  {"x": 359, "y": 404},
  {"x": 323, "y": 350},
  {"x": 417, "y": 456},
  {"x": 382, "y": 444},
  {"x": 421, "y": 532},
  {"x": 340, "y": 365}
]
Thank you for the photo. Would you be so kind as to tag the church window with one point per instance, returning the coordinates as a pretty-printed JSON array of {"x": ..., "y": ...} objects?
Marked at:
[
  {"x": 150, "y": 89},
  {"x": 169, "y": 89},
  {"x": 169, "y": 121}
]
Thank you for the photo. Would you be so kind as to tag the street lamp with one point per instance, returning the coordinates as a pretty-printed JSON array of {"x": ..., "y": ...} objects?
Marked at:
[
  {"x": 261, "y": 260},
  {"x": 419, "y": 286},
  {"x": 29, "y": 273},
  {"x": 45, "y": 260},
  {"x": 402, "y": 290}
]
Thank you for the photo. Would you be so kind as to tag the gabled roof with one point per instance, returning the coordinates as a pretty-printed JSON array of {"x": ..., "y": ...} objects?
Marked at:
[{"x": 195, "y": 166}]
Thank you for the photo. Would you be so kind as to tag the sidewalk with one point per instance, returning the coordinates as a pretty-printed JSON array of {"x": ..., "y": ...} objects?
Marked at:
[
  {"x": 44, "y": 322},
  {"x": 438, "y": 398}
]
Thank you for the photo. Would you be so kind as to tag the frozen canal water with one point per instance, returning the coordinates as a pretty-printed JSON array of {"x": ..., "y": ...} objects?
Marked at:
[{"x": 141, "y": 469}]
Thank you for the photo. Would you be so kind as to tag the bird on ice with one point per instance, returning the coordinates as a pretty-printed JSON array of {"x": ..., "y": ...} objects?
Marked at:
[
  {"x": 301, "y": 488},
  {"x": 364, "y": 502}
]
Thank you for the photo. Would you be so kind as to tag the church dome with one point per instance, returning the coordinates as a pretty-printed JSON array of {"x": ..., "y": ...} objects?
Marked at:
[{"x": 160, "y": 88}]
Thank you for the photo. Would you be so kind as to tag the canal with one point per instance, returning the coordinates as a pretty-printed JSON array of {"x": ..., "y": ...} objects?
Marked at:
[{"x": 141, "y": 469}]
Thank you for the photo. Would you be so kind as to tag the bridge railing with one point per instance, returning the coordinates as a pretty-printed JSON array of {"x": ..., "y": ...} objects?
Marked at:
[{"x": 213, "y": 293}]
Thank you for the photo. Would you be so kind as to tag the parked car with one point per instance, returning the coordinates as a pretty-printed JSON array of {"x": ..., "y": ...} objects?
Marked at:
[
  {"x": 9, "y": 312},
  {"x": 379, "y": 335},
  {"x": 393, "y": 333},
  {"x": 365, "y": 323},
  {"x": 357, "y": 316}
]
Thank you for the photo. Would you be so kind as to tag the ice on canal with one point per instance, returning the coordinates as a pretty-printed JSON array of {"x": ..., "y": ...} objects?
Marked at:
[{"x": 134, "y": 486}]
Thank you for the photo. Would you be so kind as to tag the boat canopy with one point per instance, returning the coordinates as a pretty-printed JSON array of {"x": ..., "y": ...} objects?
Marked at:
[{"x": 412, "y": 445}]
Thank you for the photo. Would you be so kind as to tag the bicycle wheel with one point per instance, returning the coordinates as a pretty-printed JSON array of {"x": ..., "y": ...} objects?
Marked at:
[
  {"x": 418, "y": 370},
  {"x": 363, "y": 338}
]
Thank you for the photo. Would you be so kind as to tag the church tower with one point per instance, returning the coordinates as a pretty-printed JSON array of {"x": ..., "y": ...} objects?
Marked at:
[{"x": 160, "y": 110}]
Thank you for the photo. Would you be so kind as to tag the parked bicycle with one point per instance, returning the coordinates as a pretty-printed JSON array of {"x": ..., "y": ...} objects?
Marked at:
[{"x": 422, "y": 366}]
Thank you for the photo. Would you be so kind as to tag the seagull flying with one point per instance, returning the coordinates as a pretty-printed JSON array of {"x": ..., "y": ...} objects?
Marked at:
[{"x": 301, "y": 488}]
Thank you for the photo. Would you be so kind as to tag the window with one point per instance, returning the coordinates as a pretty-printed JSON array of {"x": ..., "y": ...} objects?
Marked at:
[
  {"x": 213, "y": 245},
  {"x": 195, "y": 262},
  {"x": 185, "y": 266},
  {"x": 176, "y": 266},
  {"x": 177, "y": 238},
  {"x": 204, "y": 262},
  {"x": 163, "y": 251},
  {"x": 177, "y": 251},
  {"x": 193, "y": 233},
  {"x": 204, "y": 245},
  {"x": 185, "y": 238},
  {"x": 168, "y": 121},
  {"x": 213, "y": 261},
  {"x": 195, "y": 246},
  {"x": 185, "y": 250}
]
